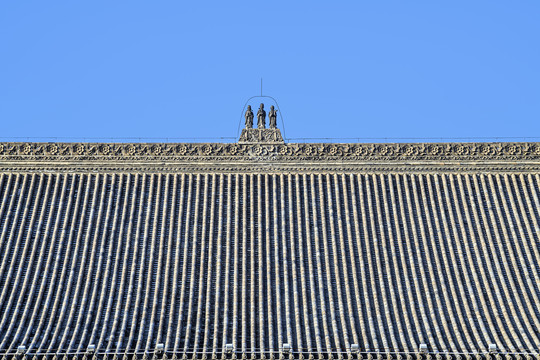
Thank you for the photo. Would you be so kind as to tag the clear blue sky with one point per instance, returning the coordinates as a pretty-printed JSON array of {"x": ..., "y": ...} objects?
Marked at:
[{"x": 156, "y": 69}]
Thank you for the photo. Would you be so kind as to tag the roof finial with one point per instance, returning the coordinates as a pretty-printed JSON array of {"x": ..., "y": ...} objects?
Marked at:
[{"x": 261, "y": 134}]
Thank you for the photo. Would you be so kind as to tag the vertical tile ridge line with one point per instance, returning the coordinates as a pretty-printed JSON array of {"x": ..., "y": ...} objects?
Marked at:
[
  {"x": 185, "y": 263},
  {"x": 125, "y": 260},
  {"x": 534, "y": 256},
  {"x": 327, "y": 268},
  {"x": 320, "y": 279},
  {"x": 437, "y": 276},
  {"x": 262, "y": 272},
  {"x": 297, "y": 323},
  {"x": 92, "y": 227},
  {"x": 531, "y": 189},
  {"x": 285, "y": 260},
  {"x": 205, "y": 247},
  {"x": 219, "y": 266},
  {"x": 193, "y": 279},
  {"x": 269, "y": 236},
  {"x": 348, "y": 257},
  {"x": 9, "y": 212},
  {"x": 515, "y": 301},
  {"x": 85, "y": 276},
  {"x": 26, "y": 293},
  {"x": 67, "y": 338},
  {"x": 405, "y": 252},
  {"x": 429, "y": 276},
  {"x": 374, "y": 265},
  {"x": 303, "y": 238},
  {"x": 59, "y": 295},
  {"x": 381, "y": 251},
  {"x": 428, "y": 321},
  {"x": 54, "y": 275},
  {"x": 457, "y": 328},
  {"x": 131, "y": 273},
  {"x": 474, "y": 256},
  {"x": 277, "y": 270},
  {"x": 337, "y": 233},
  {"x": 401, "y": 264},
  {"x": 244, "y": 261},
  {"x": 103, "y": 245},
  {"x": 6, "y": 262},
  {"x": 185, "y": 240},
  {"x": 169, "y": 343},
  {"x": 413, "y": 245},
  {"x": 163, "y": 247},
  {"x": 395, "y": 326},
  {"x": 485, "y": 262},
  {"x": 456, "y": 254},
  {"x": 168, "y": 229},
  {"x": 494, "y": 278},
  {"x": 312, "y": 294},
  {"x": 72, "y": 274},
  {"x": 37, "y": 284},
  {"x": 211, "y": 264},
  {"x": 364, "y": 340},
  {"x": 450, "y": 198},
  {"x": 3, "y": 177},
  {"x": 371, "y": 237},
  {"x": 522, "y": 254},
  {"x": 117, "y": 223},
  {"x": 154, "y": 201},
  {"x": 138, "y": 320},
  {"x": 226, "y": 290},
  {"x": 108, "y": 277},
  {"x": 8, "y": 190},
  {"x": 253, "y": 280},
  {"x": 234, "y": 335}
]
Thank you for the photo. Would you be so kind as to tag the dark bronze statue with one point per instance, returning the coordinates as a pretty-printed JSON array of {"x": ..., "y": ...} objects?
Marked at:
[
  {"x": 272, "y": 115},
  {"x": 261, "y": 116},
  {"x": 249, "y": 118}
]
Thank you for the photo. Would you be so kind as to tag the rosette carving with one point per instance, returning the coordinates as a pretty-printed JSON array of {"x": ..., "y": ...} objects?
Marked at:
[{"x": 269, "y": 151}]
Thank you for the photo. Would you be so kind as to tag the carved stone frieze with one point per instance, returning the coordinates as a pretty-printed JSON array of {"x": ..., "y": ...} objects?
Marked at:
[
  {"x": 261, "y": 136},
  {"x": 263, "y": 151}
]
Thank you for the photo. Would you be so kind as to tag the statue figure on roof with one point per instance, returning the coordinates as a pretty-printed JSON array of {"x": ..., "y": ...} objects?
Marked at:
[
  {"x": 261, "y": 116},
  {"x": 249, "y": 118},
  {"x": 272, "y": 115}
]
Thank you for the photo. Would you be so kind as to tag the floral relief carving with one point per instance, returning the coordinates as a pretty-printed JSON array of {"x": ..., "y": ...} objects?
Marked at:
[
  {"x": 52, "y": 149},
  {"x": 156, "y": 149},
  {"x": 206, "y": 149},
  {"x": 80, "y": 149},
  {"x": 26, "y": 149},
  {"x": 291, "y": 151},
  {"x": 105, "y": 149}
]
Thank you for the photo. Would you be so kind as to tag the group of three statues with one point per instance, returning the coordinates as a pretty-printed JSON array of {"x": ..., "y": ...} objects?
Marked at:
[{"x": 261, "y": 118}]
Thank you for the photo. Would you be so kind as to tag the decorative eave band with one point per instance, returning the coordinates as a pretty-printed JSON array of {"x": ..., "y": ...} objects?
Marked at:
[{"x": 269, "y": 152}]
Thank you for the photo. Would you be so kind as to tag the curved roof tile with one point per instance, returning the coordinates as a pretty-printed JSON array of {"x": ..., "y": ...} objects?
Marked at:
[{"x": 319, "y": 261}]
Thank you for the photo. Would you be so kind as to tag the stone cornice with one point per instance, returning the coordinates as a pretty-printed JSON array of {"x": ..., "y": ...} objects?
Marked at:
[
  {"x": 278, "y": 157},
  {"x": 269, "y": 152}
]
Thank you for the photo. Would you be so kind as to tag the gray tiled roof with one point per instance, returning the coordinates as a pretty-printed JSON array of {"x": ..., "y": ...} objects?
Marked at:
[{"x": 319, "y": 261}]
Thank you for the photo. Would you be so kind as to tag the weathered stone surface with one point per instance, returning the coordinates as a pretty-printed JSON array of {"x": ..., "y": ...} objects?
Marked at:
[{"x": 264, "y": 136}]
